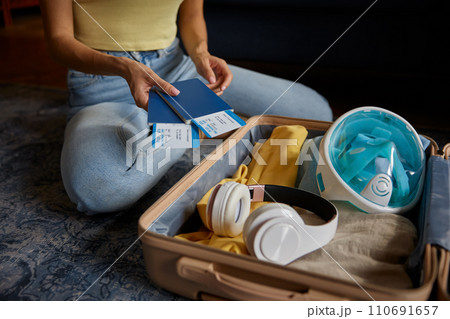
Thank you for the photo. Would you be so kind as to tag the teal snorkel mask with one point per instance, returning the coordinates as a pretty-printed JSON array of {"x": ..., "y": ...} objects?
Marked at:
[{"x": 373, "y": 159}]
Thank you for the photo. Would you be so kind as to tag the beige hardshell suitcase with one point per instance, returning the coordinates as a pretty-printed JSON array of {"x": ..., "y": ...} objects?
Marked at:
[
  {"x": 200, "y": 272},
  {"x": 443, "y": 287}
]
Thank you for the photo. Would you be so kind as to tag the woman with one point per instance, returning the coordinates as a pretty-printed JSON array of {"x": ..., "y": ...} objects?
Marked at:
[{"x": 116, "y": 51}]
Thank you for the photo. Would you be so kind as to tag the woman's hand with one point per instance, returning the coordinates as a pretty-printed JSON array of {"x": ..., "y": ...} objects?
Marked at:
[
  {"x": 214, "y": 70},
  {"x": 193, "y": 33},
  {"x": 141, "y": 79}
]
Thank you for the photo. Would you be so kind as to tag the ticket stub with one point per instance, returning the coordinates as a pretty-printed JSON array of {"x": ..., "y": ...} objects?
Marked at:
[
  {"x": 175, "y": 135},
  {"x": 218, "y": 123}
]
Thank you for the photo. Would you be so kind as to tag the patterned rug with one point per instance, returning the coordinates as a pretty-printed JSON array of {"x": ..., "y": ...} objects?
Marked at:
[{"x": 48, "y": 250}]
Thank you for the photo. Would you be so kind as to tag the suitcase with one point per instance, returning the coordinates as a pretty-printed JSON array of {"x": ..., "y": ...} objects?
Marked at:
[
  {"x": 443, "y": 287},
  {"x": 204, "y": 273}
]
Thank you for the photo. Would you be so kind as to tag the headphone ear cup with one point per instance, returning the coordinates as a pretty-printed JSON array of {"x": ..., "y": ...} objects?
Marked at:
[
  {"x": 272, "y": 233},
  {"x": 209, "y": 206},
  {"x": 266, "y": 212},
  {"x": 230, "y": 209},
  {"x": 256, "y": 218}
]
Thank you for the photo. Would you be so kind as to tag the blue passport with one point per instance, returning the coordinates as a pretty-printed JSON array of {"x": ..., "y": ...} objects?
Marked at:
[{"x": 195, "y": 100}]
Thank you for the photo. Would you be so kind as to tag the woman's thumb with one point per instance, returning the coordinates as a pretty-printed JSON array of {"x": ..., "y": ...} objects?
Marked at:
[
  {"x": 205, "y": 70},
  {"x": 210, "y": 76}
]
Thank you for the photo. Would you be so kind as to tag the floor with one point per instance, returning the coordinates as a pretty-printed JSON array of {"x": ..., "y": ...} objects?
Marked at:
[{"x": 24, "y": 55}]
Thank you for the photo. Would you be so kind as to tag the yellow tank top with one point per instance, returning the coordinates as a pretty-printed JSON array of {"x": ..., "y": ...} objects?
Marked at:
[{"x": 137, "y": 25}]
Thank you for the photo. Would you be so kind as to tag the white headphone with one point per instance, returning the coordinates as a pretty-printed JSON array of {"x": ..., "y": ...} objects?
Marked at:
[{"x": 274, "y": 232}]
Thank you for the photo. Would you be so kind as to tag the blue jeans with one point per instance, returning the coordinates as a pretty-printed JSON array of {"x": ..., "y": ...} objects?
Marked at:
[{"x": 95, "y": 164}]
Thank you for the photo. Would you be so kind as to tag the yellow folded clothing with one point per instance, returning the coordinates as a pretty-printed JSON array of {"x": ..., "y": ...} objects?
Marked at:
[
  {"x": 207, "y": 237},
  {"x": 278, "y": 156},
  {"x": 273, "y": 163}
]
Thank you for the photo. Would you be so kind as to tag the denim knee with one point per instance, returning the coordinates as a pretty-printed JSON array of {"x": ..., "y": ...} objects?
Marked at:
[
  {"x": 96, "y": 172},
  {"x": 97, "y": 187},
  {"x": 98, "y": 197},
  {"x": 93, "y": 183}
]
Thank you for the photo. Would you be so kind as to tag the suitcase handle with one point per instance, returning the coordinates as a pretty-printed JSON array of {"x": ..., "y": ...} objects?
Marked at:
[{"x": 228, "y": 286}]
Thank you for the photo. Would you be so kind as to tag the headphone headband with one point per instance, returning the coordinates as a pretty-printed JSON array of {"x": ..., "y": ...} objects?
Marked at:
[{"x": 294, "y": 197}]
